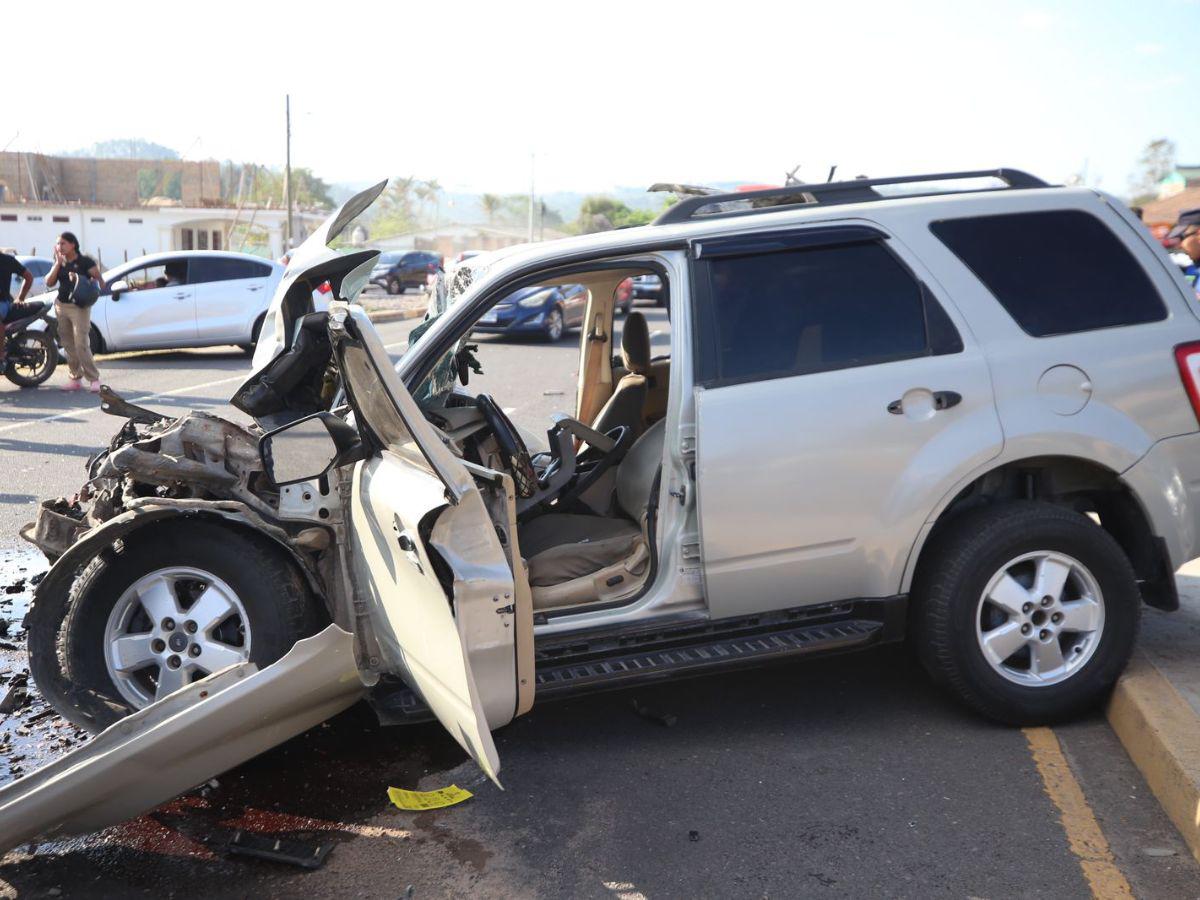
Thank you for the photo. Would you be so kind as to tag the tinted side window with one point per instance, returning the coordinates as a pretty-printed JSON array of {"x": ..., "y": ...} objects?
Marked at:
[
  {"x": 215, "y": 268},
  {"x": 809, "y": 310},
  {"x": 1054, "y": 272}
]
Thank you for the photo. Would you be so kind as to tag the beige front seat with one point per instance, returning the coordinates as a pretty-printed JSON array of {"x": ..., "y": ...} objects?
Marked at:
[
  {"x": 571, "y": 547},
  {"x": 626, "y": 405}
]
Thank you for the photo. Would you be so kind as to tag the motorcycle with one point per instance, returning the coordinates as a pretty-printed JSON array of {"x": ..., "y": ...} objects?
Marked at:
[{"x": 30, "y": 355}]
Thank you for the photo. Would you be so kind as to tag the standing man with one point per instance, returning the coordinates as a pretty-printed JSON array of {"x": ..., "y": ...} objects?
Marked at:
[
  {"x": 10, "y": 267},
  {"x": 1187, "y": 233},
  {"x": 74, "y": 319}
]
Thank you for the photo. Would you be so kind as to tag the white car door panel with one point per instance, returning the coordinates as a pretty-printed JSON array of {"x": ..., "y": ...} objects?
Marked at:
[
  {"x": 152, "y": 317},
  {"x": 230, "y": 294},
  {"x": 811, "y": 492}
]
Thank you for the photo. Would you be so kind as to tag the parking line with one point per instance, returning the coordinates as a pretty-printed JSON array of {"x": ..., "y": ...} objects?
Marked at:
[
  {"x": 88, "y": 410},
  {"x": 1086, "y": 839}
]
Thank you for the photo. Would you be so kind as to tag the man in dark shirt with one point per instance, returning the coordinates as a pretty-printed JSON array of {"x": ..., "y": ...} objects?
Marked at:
[
  {"x": 10, "y": 309},
  {"x": 1187, "y": 232}
]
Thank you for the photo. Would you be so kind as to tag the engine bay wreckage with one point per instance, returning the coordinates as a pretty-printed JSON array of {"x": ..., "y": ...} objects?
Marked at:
[{"x": 400, "y": 549}]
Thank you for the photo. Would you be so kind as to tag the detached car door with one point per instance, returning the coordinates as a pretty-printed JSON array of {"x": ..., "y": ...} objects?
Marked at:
[
  {"x": 230, "y": 295},
  {"x": 428, "y": 566},
  {"x": 837, "y": 401}
]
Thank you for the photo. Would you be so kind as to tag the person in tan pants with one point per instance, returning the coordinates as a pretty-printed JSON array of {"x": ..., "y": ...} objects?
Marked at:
[{"x": 74, "y": 321}]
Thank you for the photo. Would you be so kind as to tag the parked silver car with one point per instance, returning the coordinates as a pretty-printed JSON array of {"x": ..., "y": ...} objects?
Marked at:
[
  {"x": 185, "y": 298},
  {"x": 967, "y": 416}
]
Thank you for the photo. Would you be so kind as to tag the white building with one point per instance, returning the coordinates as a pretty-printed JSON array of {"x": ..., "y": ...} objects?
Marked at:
[{"x": 114, "y": 234}]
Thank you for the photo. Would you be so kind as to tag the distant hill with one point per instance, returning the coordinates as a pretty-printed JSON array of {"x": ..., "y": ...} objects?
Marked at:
[{"x": 126, "y": 148}]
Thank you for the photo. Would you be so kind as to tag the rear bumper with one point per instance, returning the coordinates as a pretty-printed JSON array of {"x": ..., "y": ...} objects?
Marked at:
[{"x": 1167, "y": 483}]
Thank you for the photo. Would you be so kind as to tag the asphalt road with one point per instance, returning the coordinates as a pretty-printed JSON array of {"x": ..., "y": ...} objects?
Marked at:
[{"x": 842, "y": 777}]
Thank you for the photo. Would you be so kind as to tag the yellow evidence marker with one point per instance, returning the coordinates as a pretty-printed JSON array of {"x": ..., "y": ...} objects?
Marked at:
[{"x": 421, "y": 800}]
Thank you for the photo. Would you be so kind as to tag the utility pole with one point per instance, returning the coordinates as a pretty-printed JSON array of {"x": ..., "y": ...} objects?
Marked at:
[
  {"x": 532, "y": 158},
  {"x": 287, "y": 175}
]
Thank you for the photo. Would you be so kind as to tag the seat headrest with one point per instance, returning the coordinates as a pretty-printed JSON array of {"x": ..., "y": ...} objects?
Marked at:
[{"x": 635, "y": 344}]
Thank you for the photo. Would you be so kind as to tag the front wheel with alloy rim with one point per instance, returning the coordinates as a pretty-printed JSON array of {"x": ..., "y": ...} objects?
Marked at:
[
  {"x": 1025, "y": 610},
  {"x": 554, "y": 324},
  {"x": 175, "y": 605}
]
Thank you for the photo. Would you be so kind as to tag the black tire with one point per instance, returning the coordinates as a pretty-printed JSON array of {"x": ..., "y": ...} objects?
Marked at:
[
  {"x": 95, "y": 342},
  {"x": 40, "y": 364},
  {"x": 279, "y": 604},
  {"x": 395, "y": 286},
  {"x": 955, "y": 570},
  {"x": 255, "y": 331},
  {"x": 555, "y": 326}
]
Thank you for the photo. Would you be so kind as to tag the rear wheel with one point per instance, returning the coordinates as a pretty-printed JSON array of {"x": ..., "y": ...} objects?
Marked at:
[
  {"x": 395, "y": 286},
  {"x": 176, "y": 605},
  {"x": 95, "y": 341},
  {"x": 1027, "y": 611},
  {"x": 31, "y": 358},
  {"x": 248, "y": 349}
]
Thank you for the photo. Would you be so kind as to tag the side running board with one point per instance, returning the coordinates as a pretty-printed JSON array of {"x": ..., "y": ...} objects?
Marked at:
[{"x": 624, "y": 669}]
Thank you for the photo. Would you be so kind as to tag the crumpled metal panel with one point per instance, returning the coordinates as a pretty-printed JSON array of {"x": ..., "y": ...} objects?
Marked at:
[{"x": 181, "y": 741}]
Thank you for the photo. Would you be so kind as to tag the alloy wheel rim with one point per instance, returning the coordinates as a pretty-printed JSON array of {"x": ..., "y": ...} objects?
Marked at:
[
  {"x": 554, "y": 326},
  {"x": 1040, "y": 618},
  {"x": 171, "y": 627}
]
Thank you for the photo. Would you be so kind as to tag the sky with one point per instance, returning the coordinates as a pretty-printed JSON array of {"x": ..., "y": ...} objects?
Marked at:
[{"x": 595, "y": 95}]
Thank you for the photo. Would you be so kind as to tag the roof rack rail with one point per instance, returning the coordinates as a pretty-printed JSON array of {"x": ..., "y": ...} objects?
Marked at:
[{"x": 832, "y": 193}]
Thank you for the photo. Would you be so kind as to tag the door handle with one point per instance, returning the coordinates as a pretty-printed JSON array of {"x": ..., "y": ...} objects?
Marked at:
[
  {"x": 941, "y": 400},
  {"x": 257, "y": 287},
  {"x": 179, "y": 296}
]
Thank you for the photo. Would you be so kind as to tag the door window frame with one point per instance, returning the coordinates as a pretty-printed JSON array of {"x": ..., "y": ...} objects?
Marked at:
[{"x": 942, "y": 336}]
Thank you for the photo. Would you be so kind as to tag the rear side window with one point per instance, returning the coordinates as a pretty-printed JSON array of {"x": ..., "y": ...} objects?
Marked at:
[
  {"x": 216, "y": 268},
  {"x": 814, "y": 309},
  {"x": 1055, "y": 272}
]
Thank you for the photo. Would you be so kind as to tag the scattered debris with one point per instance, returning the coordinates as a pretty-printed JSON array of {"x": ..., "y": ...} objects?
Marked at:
[
  {"x": 422, "y": 800},
  {"x": 15, "y": 698},
  {"x": 16, "y": 587},
  {"x": 553, "y": 393},
  {"x": 1159, "y": 851},
  {"x": 664, "y": 719},
  {"x": 693, "y": 836},
  {"x": 305, "y": 854},
  {"x": 3, "y": 627}
]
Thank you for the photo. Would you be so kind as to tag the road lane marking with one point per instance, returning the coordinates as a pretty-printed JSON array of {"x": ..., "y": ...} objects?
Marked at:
[
  {"x": 1086, "y": 839},
  {"x": 89, "y": 410}
]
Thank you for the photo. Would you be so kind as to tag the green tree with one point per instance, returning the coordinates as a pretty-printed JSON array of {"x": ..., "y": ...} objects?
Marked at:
[
  {"x": 307, "y": 189},
  {"x": 491, "y": 204},
  {"x": 602, "y": 213},
  {"x": 394, "y": 210},
  {"x": 1156, "y": 163}
]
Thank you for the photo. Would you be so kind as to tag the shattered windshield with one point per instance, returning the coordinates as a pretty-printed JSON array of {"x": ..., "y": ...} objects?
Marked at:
[{"x": 448, "y": 289}]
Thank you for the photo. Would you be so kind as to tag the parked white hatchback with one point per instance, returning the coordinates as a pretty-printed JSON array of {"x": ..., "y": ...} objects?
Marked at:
[{"x": 186, "y": 298}]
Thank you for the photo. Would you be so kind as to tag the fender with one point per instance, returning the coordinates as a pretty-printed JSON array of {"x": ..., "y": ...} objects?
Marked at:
[{"x": 52, "y": 595}]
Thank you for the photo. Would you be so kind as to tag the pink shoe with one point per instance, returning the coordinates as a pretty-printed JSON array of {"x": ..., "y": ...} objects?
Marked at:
[
  {"x": 73, "y": 384},
  {"x": 94, "y": 387}
]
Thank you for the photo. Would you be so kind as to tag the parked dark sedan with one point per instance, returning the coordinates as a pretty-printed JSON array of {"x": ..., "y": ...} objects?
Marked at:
[
  {"x": 397, "y": 271},
  {"x": 548, "y": 311}
]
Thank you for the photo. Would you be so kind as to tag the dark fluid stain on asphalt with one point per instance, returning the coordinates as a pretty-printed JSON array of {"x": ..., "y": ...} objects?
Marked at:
[
  {"x": 31, "y": 733},
  {"x": 318, "y": 786}
]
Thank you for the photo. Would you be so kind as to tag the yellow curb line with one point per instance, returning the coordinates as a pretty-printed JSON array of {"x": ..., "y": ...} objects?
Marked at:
[
  {"x": 1084, "y": 835},
  {"x": 1161, "y": 734}
]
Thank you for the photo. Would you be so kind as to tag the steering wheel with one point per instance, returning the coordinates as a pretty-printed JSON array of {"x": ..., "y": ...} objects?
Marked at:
[{"x": 512, "y": 448}]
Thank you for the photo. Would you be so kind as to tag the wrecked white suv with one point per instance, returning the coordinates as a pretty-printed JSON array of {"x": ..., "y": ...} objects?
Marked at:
[{"x": 958, "y": 407}]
